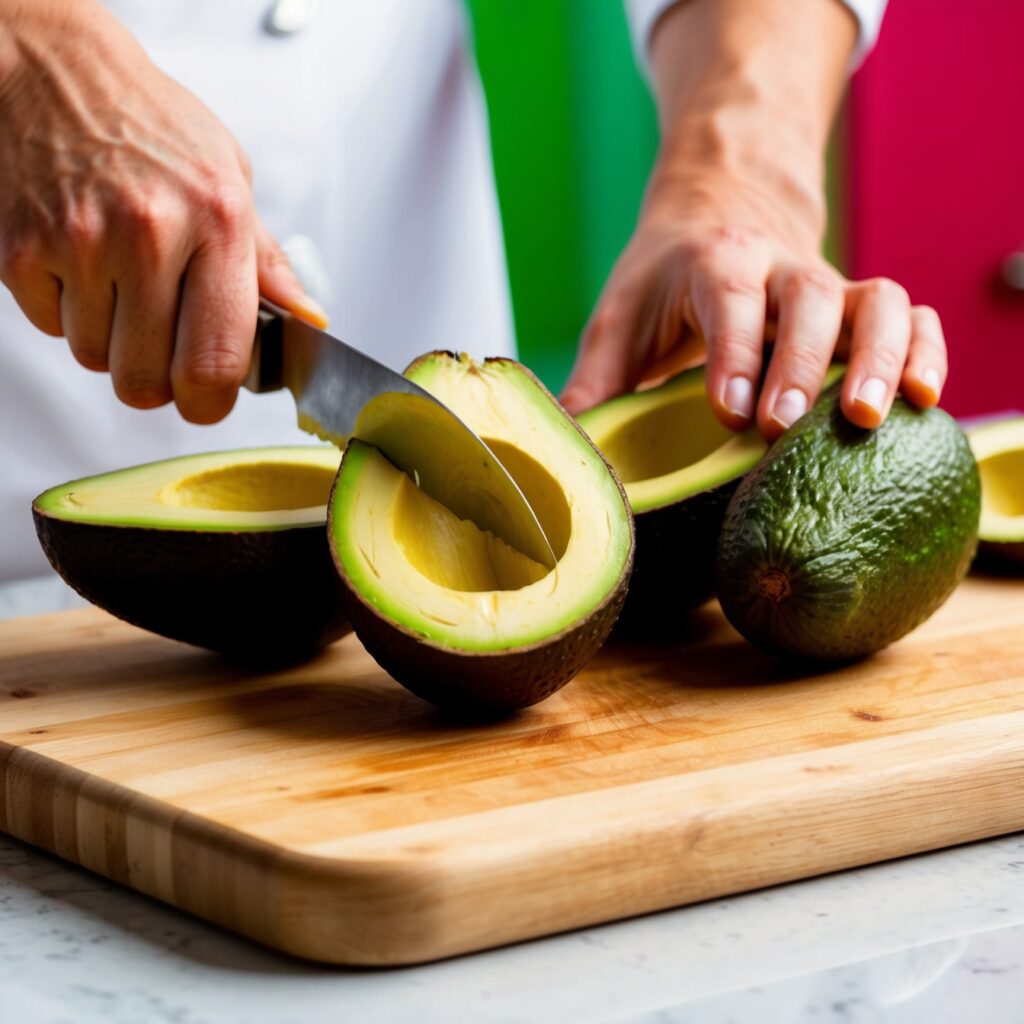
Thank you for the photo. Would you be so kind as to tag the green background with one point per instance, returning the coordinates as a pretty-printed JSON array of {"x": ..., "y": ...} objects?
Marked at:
[{"x": 573, "y": 134}]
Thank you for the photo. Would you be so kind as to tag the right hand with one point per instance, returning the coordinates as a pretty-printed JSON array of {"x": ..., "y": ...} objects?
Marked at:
[{"x": 126, "y": 213}]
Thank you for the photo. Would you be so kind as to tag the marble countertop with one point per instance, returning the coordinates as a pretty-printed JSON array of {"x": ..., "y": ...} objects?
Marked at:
[{"x": 936, "y": 938}]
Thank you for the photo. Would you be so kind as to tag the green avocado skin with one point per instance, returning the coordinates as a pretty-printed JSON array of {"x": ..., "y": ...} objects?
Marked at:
[{"x": 842, "y": 540}]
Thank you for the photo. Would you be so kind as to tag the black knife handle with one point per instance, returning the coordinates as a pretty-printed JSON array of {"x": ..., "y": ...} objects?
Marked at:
[{"x": 266, "y": 364}]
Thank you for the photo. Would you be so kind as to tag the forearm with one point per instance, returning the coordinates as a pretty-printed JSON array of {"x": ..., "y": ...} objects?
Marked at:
[{"x": 750, "y": 88}]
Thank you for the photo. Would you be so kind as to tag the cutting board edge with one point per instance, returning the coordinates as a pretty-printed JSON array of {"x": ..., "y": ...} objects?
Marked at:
[{"x": 420, "y": 903}]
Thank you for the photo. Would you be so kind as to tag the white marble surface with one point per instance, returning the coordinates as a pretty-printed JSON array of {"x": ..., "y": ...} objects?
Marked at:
[{"x": 937, "y": 938}]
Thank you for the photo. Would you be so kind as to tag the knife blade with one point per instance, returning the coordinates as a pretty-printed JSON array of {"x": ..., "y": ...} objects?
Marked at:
[{"x": 340, "y": 392}]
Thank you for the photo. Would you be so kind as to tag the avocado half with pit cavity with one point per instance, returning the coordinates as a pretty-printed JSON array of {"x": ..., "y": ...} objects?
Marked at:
[
  {"x": 680, "y": 467},
  {"x": 226, "y": 550},
  {"x": 999, "y": 449},
  {"x": 453, "y": 612}
]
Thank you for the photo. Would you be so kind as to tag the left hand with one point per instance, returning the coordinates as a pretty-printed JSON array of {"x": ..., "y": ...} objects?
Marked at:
[{"x": 715, "y": 260}]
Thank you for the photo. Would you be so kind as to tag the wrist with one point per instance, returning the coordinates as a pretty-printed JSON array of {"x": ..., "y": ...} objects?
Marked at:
[{"x": 718, "y": 160}]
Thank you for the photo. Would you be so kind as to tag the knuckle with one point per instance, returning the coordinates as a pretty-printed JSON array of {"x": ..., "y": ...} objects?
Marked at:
[
  {"x": 89, "y": 354},
  {"x": 214, "y": 366},
  {"x": 887, "y": 360},
  {"x": 82, "y": 228},
  {"x": 739, "y": 286},
  {"x": 734, "y": 347},
  {"x": 151, "y": 221},
  {"x": 817, "y": 281},
  {"x": 802, "y": 362},
  {"x": 606, "y": 321},
  {"x": 225, "y": 204},
  {"x": 272, "y": 257},
  {"x": 732, "y": 237},
  {"x": 887, "y": 289},
  {"x": 19, "y": 256},
  {"x": 141, "y": 391}
]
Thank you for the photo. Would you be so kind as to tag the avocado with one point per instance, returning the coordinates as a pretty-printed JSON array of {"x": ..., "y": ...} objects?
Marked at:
[
  {"x": 680, "y": 467},
  {"x": 842, "y": 540},
  {"x": 226, "y": 550},
  {"x": 999, "y": 449},
  {"x": 451, "y": 611}
]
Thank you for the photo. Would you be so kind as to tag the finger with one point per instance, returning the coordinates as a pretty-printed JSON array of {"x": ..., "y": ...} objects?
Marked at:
[
  {"x": 86, "y": 315},
  {"x": 729, "y": 304},
  {"x": 810, "y": 313},
  {"x": 215, "y": 330},
  {"x": 34, "y": 286},
  {"x": 880, "y": 314},
  {"x": 927, "y": 366},
  {"x": 610, "y": 358},
  {"x": 277, "y": 280},
  {"x": 142, "y": 336}
]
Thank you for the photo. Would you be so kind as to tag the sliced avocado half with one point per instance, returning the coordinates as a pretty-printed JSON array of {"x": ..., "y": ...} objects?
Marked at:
[
  {"x": 225, "y": 550},
  {"x": 999, "y": 449},
  {"x": 453, "y": 612},
  {"x": 680, "y": 467}
]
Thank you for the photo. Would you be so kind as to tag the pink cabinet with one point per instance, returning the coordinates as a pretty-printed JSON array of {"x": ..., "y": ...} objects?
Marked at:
[{"x": 935, "y": 182}]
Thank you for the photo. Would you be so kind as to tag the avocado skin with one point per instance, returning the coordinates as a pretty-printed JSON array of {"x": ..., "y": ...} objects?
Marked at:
[
  {"x": 860, "y": 535},
  {"x": 270, "y": 594},
  {"x": 674, "y": 567},
  {"x": 486, "y": 684},
  {"x": 1001, "y": 555}
]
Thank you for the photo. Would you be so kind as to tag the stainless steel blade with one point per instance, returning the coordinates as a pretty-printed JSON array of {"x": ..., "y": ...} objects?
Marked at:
[{"x": 341, "y": 393}]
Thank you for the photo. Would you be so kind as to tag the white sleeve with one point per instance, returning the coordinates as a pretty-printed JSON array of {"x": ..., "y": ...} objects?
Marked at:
[{"x": 642, "y": 14}]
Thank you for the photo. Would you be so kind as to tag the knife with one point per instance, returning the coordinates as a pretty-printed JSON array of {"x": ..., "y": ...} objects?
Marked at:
[{"x": 340, "y": 393}]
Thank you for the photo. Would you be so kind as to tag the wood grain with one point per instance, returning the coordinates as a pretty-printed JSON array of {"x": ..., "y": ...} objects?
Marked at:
[{"x": 325, "y": 811}]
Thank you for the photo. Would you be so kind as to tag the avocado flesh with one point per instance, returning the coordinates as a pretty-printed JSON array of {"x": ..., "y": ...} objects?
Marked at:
[
  {"x": 453, "y": 612},
  {"x": 999, "y": 449},
  {"x": 680, "y": 467},
  {"x": 842, "y": 540},
  {"x": 224, "y": 550}
]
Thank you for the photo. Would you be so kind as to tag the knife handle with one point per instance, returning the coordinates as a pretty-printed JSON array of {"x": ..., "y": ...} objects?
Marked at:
[{"x": 266, "y": 364}]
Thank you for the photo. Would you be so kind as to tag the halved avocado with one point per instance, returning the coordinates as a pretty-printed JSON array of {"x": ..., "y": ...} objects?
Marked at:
[
  {"x": 999, "y": 450},
  {"x": 453, "y": 612},
  {"x": 680, "y": 467},
  {"x": 225, "y": 550}
]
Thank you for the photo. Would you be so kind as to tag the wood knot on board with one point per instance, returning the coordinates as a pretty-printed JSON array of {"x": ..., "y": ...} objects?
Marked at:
[{"x": 774, "y": 584}]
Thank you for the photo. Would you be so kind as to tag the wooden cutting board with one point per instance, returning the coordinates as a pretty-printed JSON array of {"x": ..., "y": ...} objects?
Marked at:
[{"x": 324, "y": 810}]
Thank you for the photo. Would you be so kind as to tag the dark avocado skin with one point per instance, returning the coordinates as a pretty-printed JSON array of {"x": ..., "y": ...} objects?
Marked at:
[
  {"x": 265, "y": 595},
  {"x": 674, "y": 567},
  {"x": 842, "y": 540},
  {"x": 1001, "y": 555},
  {"x": 485, "y": 684}
]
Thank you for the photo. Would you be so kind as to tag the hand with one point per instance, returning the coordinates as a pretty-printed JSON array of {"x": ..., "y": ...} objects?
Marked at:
[
  {"x": 718, "y": 262},
  {"x": 726, "y": 254},
  {"x": 126, "y": 214}
]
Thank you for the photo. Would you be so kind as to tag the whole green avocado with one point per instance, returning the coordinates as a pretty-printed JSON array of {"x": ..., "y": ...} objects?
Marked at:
[{"x": 842, "y": 540}]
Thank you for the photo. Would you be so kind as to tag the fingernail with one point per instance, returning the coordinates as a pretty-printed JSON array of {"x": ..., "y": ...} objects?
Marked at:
[
  {"x": 739, "y": 397},
  {"x": 789, "y": 407},
  {"x": 872, "y": 394},
  {"x": 930, "y": 379},
  {"x": 309, "y": 309}
]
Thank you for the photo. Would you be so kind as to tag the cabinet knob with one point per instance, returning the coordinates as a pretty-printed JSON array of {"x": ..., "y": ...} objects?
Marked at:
[{"x": 1013, "y": 270}]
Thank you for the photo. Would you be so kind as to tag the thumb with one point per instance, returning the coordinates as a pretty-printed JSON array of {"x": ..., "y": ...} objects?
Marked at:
[
  {"x": 278, "y": 282},
  {"x": 609, "y": 361}
]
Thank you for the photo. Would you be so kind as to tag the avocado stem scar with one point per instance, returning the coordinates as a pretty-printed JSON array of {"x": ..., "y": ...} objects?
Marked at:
[{"x": 774, "y": 584}]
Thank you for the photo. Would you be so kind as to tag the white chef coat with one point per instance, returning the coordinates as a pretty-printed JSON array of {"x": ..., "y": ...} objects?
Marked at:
[
  {"x": 368, "y": 140},
  {"x": 367, "y": 135}
]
